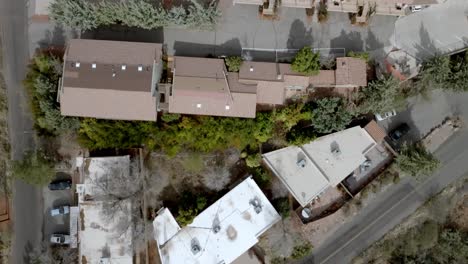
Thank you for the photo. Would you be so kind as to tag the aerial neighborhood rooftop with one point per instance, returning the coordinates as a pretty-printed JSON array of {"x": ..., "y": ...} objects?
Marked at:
[{"x": 233, "y": 131}]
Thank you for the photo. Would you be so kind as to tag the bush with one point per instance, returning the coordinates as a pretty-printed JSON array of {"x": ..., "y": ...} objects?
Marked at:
[
  {"x": 87, "y": 15},
  {"x": 254, "y": 160},
  {"x": 282, "y": 206},
  {"x": 306, "y": 62},
  {"x": 168, "y": 117},
  {"x": 302, "y": 250},
  {"x": 41, "y": 82},
  {"x": 190, "y": 206},
  {"x": 193, "y": 163},
  {"x": 300, "y": 136},
  {"x": 416, "y": 160},
  {"x": 261, "y": 177},
  {"x": 359, "y": 55},
  {"x": 330, "y": 115},
  {"x": 380, "y": 96},
  {"x": 35, "y": 168},
  {"x": 233, "y": 63},
  {"x": 322, "y": 12}
]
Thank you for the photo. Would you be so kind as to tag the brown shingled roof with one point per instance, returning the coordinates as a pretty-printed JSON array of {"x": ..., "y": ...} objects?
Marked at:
[
  {"x": 109, "y": 79},
  {"x": 375, "y": 131},
  {"x": 323, "y": 78},
  {"x": 200, "y": 87},
  {"x": 351, "y": 71}
]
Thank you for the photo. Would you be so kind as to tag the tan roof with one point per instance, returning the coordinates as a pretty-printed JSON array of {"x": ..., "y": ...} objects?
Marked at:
[
  {"x": 297, "y": 3},
  {"x": 259, "y": 71},
  {"x": 375, "y": 131},
  {"x": 248, "y": 2},
  {"x": 351, "y": 71},
  {"x": 270, "y": 92},
  {"x": 200, "y": 87},
  {"x": 323, "y": 78},
  {"x": 108, "y": 104},
  {"x": 113, "y": 52},
  {"x": 109, "y": 79},
  {"x": 239, "y": 87},
  {"x": 296, "y": 82}
]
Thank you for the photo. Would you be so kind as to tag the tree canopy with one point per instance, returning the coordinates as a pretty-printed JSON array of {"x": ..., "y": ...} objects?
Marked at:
[
  {"x": 306, "y": 61},
  {"x": 35, "y": 168},
  {"x": 233, "y": 63},
  {"x": 87, "y": 15},
  {"x": 416, "y": 160},
  {"x": 330, "y": 115},
  {"x": 380, "y": 96}
]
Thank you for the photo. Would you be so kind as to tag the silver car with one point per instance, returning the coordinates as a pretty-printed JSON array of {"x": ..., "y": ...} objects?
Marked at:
[
  {"x": 61, "y": 210},
  {"x": 383, "y": 116},
  {"x": 60, "y": 239}
]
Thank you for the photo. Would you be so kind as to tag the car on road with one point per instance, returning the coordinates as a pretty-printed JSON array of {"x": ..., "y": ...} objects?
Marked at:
[
  {"x": 416, "y": 8},
  {"x": 61, "y": 210},
  {"x": 60, "y": 239},
  {"x": 397, "y": 133},
  {"x": 60, "y": 185},
  {"x": 383, "y": 116}
]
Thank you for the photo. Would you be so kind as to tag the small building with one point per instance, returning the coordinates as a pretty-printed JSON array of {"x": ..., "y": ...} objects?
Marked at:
[
  {"x": 201, "y": 86},
  {"x": 111, "y": 79},
  {"x": 102, "y": 221},
  {"x": 219, "y": 234},
  {"x": 309, "y": 169}
]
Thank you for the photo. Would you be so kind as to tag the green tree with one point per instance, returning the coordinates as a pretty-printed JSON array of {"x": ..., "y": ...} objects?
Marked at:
[
  {"x": 359, "y": 55},
  {"x": 300, "y": 136},
  {"x": 306, "y": 61},
  {"x": 416, "y": 160},
  {"x": 452, "y": 247},
  {"x": 253, "y": 160},
  {"x": 79, "y": 14},
  {"x": 233, "y": 63},
  {"x": 35, "y": 168},
  {"x": 380, "y": 96},
  {"x": 168, "y": 117},
  {"x": 330, "y": 114},
  {"x": 282, "y": 206}
]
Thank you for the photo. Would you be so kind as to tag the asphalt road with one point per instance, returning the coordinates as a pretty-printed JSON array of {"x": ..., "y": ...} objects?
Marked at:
[
  {"x": 27, "y": 199},
  {"x": 401, "y": 200}
]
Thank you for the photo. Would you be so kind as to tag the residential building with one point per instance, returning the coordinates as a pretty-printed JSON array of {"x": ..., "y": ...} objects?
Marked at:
[
  {"x": 103, "y": 233},
  {"x": 111, "y": 80},
  {"x": 201, "y": 86},
  {"x": 219, "y": 234},
  {"x": 308, "y": 170}
]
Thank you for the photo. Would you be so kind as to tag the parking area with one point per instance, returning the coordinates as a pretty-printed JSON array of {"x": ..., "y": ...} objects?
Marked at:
[{"x": 52, "y": 199}]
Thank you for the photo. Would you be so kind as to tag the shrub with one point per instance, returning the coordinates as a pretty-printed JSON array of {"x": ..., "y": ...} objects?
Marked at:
[
  {"x": 254, "y": 160},
  {"x": 168, "y": 117},
  {"x": 380, "y": 96},
  {"x": 35, "y": 168},
  {"x": 282, "y": 206},
  {"x": 190, "y": 206},
  {"x": 322, "y": 12},
  {"x": 330, "y": 114},
  {"x": 233, "y": 63},
  {"x": 261, "y": 177},
  {"x": 193, "y": 163},
  {"x": 300, "y": 136},
  {"x": 416, "y": 160},
  {"x": 359, "y": 55},
  {"x": 301, "y": 250},
  {"x": 306, "y": 62}
]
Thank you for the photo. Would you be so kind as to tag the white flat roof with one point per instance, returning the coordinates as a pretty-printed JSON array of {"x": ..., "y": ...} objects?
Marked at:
[
  {"x": 105, "y": 232},
  {"x": 304, "y": 183},
  {"x": 352, "y": 144},
  {"x": 327, "y": 161},
  {"x": 239, "y": 227}
]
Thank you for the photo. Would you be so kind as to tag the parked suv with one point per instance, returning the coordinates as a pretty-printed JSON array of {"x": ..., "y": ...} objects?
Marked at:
[
  {"x": 61, "y": 210},
  {"x": 60, "y": 185},
  {"x": 399, "y": 132},
  {"x": 60, "y": 239}
]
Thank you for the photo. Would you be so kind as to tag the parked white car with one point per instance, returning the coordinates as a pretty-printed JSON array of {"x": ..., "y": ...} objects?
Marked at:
[
  {"x": 383, "y": 116},
  {"x": 60, "y": 239},
  {"x": 416, "y": 8},
  {"x": 61, "y": 210}
]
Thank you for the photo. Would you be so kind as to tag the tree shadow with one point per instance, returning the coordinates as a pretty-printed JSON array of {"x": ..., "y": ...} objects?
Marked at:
[
  {"x": 299, "y": 36},
  {"x": 124, "y": 33},
  {"x": 426, "y": 47},
  {"x": 351, "y": 41},
  {"x": 229, "y": 48},
  {"x": 53, "y": 38},
  {"x": 372, "y": 42}
]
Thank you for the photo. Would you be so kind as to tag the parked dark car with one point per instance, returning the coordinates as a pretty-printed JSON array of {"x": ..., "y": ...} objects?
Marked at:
[
  {"x": 399, "y": 132},
  {"x": 60, "y": 185}
]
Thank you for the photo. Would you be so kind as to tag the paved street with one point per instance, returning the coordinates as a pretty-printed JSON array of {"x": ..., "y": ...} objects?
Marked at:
[
  {"x": 398, "y": 202},
  {"x": 27, "y": 199}
]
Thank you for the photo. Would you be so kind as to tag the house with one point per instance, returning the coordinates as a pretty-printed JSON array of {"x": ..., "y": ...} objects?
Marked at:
[
  {"x": 101, "y": 224},
  {"x": 308, "y": 170},
  {"x": 201, "y": 86},
  {"x": 110, "y": 80},
  {"x": 219, "y": 234}
]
